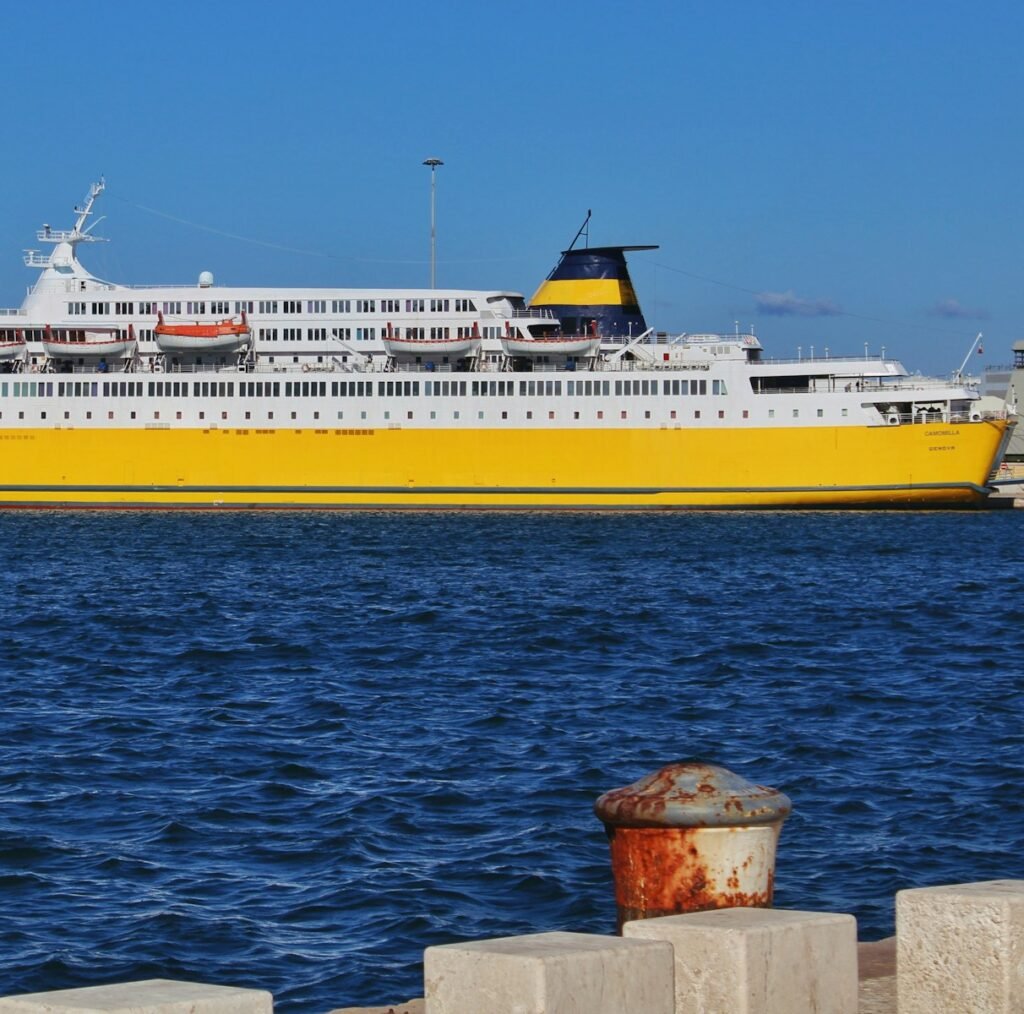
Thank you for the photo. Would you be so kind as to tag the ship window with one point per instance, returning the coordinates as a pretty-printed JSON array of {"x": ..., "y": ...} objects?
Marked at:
[
  {"x": 529, "y": 415},
  {"x": 746, "y": 414},
  {"x": 771, "y": 413},
  {"x": 623, "y": 414},
  {"x": 600, "y": 414},
  {"x": 703, "y": 386},
  {"x": 846, "y": 411},
  {"x": 721, "y": 414},
  {"x": 821, "y": 412},
  {"x": 462, "y": 388},
  {"x": 647, "y": 414},
  {"x": 796, "y": 413},
  {"x": 696, "y": 415}
]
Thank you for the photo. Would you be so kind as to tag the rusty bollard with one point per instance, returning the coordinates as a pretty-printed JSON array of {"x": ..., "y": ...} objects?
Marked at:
[{"x": 691, "y": 837}]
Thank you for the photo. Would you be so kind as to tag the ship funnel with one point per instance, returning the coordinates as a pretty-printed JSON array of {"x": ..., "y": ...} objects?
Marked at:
[{"x": 591, "y": 287}]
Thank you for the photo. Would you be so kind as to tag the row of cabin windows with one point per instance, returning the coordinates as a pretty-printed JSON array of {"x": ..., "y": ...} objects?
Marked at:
[
  {"x": 353, "y": 388},
  {"x": 219, "y": 307}
]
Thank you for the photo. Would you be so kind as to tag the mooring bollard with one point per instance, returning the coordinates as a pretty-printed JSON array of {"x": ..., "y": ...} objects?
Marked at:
[{"x": 689, "y": 838}]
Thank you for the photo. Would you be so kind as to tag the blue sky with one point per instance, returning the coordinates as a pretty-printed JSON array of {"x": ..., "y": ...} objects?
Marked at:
[{"x": 833, "y": 174}]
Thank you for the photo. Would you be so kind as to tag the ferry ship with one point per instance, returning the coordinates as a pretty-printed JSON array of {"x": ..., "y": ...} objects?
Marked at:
[{"x": 201, "y": 396}]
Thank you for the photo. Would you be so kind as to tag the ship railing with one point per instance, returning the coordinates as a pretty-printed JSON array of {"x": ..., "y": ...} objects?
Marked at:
[
  {"x": 78, "y": 285},
  {"x": 161, "y": 285},
  {"x": 536, "y": 313},
  {"x": 10, "y": 312},
  {"x": 870, "y": 385},
  {"x": 829, "y": 359}
]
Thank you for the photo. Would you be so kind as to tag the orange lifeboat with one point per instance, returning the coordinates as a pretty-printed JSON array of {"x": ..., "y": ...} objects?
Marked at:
[{"x": 222, "y": 336}]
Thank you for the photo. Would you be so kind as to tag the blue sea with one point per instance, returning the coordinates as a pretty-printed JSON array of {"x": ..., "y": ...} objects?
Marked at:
[{"x": 290, "y": 750}]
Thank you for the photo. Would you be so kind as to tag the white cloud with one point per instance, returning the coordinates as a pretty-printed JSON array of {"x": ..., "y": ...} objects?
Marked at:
[
  {"x": 789, "y": 304},
  {"x": 953, "y": 308}
]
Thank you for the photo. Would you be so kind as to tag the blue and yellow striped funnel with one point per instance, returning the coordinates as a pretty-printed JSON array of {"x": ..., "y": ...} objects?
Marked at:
[{"x": 591, "y": 289}]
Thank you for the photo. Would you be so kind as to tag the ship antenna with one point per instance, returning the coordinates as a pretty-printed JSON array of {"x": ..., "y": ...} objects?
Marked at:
[
  {"x": 584, "y": 230},
  {"x": 83, "y": 213}
]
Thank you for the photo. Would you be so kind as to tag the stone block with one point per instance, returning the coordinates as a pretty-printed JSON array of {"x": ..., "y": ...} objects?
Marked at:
[
  {"x": 960, "y": 948},
  {"x": 759, "y": 960},
  {"x": 149, "y": 996},
  {"x": 549, "y": 973}
]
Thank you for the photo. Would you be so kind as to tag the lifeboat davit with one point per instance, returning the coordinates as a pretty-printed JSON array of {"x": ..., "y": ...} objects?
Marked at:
[
  {"x": 102, "y": 343},
  {"x": 223, "y": 336}
]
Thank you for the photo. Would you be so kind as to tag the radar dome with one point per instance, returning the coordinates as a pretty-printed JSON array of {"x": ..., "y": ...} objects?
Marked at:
[{"x": 205, "y": 279}]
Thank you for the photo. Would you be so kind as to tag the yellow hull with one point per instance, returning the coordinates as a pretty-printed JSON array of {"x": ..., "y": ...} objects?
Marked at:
[{"x": 910, "y": 465}]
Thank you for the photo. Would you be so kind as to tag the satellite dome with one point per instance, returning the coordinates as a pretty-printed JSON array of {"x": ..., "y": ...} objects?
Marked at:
[{"x": 205, "y": 279}]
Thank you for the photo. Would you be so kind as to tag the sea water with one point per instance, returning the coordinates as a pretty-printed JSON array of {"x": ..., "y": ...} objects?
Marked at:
[{"x": 291, "y": 750}]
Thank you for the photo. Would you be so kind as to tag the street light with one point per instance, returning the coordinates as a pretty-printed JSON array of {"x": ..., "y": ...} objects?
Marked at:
[{"x": 433, "y": 163}]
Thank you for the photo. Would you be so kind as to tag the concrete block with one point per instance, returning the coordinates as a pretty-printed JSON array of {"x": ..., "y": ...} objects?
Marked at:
[
  {"x": 960, "y": 948},
  {"x": 759, "y": 960},
  {"x": 549, "y": 973},
  {"x": 149, "y": 996}
]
